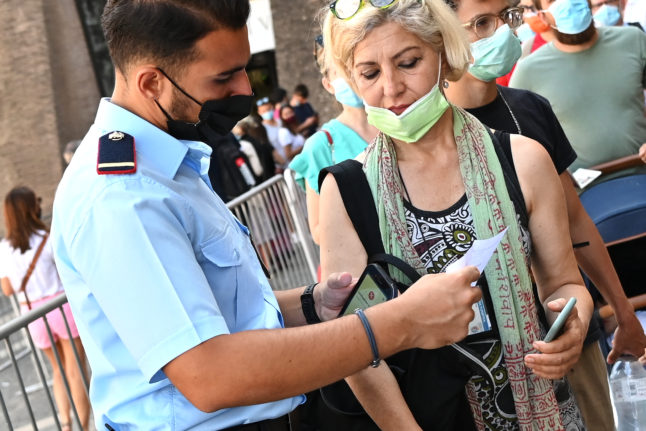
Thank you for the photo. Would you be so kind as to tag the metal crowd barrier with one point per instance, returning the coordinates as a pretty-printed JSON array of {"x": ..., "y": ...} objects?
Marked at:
[
  {"x": 276, "y": 214},
  {"x": 23, "y": 388}
]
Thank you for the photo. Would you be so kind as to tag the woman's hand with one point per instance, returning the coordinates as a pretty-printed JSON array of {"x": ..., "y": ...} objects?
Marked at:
[
  {"x": 559, "y": 356},
  {"x": 642, "y": 153}
]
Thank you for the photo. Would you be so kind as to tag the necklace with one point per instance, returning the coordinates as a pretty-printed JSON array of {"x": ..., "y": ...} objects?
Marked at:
[{"x": 513, "y": 117}]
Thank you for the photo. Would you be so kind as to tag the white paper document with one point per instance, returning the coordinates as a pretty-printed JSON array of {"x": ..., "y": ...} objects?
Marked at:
[{"x": 478, "y": 255}]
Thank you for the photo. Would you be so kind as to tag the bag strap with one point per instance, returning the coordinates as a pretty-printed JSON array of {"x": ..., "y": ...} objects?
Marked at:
[
  {"x": 30, "y": 270},
  {"x": 331, "y": 143},
  {"x": 360, "y": 206}
]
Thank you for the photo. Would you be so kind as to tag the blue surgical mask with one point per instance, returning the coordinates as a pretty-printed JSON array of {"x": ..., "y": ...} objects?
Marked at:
[
  {"x": 345, "y": 95},
  {"x": 524, "y": 32},
  {"x": 571, "y": 16},
  {"x": 496, "y": 55},
  {"x": 607, "y": 16},
  {"x": 269, "y": 115}
]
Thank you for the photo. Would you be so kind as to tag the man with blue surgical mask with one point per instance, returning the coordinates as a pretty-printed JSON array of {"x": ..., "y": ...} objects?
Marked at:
[
  {"x": 607, "y": 13},
  {"x": 594, "y": 79}
]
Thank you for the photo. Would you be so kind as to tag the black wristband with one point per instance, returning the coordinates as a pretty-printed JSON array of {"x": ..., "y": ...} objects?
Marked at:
[
  {"x": 371, "y": 337},
  {"x": 307, "y": 304}
]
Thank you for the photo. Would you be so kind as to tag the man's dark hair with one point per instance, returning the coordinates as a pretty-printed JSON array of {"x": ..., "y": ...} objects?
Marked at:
[
  {"x": 576, "y": 39},
  {"x": 301, "y": 90},
  {"x": 165, "y": 31}
]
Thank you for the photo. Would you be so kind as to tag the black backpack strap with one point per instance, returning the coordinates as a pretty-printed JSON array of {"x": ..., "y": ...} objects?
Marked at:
[
  {"x": 502, "y": 144},
  {"x": 359, "y": 204},
  {"x": 384, "y": 260}
]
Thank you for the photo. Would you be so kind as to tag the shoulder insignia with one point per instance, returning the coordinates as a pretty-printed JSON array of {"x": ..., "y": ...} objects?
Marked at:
[{"x": 116, "y": 154}]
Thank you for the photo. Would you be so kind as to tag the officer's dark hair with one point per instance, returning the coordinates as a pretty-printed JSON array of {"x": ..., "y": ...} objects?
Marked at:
[
  {"x": 301, "y": 90},
  {"x": 165, "y": 31}
]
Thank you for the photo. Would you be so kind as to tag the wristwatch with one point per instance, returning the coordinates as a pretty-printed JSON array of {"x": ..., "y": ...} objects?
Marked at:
[{"x": 307, "y": 304}]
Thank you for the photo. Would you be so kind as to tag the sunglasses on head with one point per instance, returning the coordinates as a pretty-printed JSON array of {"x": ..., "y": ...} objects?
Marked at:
[{"x": 346, "y": 9}]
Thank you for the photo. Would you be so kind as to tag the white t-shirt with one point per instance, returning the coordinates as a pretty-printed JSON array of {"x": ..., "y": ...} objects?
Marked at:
[
  {"x": 285, "y": 138},
  {"x": 44, "y": 281},
  {"x": 272, "y": 135}
]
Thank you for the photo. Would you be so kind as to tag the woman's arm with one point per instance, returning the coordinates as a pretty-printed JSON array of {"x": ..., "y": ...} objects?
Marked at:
[
  {"x": 553, "y": 263},
  {"x": 341, "y": 250},
  {"x": 7, "y": 288},
  {"x": 312, "y": 211}
]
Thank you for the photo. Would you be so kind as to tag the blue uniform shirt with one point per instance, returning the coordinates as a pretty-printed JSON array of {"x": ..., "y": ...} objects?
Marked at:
[{"x": 154, "y": 264}]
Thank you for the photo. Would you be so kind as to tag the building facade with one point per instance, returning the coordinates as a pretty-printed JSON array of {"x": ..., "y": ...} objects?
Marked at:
[{"x": 54, "y": 68}]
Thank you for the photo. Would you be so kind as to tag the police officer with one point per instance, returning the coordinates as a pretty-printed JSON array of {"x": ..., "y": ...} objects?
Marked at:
[{"x": 179, "y": 323}]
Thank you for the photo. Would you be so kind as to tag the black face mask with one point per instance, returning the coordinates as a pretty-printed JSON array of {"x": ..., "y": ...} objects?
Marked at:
[{"x": 216, "y": 119}]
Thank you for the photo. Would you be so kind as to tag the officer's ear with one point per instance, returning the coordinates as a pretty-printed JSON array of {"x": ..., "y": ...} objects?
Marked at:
[{"x": 150, "y": 82}]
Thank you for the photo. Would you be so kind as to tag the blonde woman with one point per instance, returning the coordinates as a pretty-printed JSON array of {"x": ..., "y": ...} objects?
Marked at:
[{"x": 439, "y": 183}]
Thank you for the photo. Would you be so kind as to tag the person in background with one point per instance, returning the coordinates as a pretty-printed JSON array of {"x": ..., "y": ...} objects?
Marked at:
[
  {"x": 542, "y": 34},
  {"x": 289, "y": 138},
  {"x": 583, "y": 66},
  {"x": 70, "y": 149},
  {"x": 278, "y": 98},
  {"x": 525, "y": 113},
  {"x": 438, "y": 183},
  {"x": 27, "y": 269},
  {"x": 341, "y": 138},
  {"x": 271, "y": 123},
  {"x": 248, "y": 148},
  {"x": 607, "y": 13},
  {"x": 254, "y": 131},
  {"x": 308, "y": 119}
]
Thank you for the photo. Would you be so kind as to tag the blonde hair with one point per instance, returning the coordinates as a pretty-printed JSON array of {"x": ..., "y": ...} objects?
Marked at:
[{"x": 430, "y": 20}]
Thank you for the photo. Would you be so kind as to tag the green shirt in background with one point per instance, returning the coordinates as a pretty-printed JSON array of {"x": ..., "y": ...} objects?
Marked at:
[
  {"x": 317, "y": 153},
  {"x": 597, "y": 94}
]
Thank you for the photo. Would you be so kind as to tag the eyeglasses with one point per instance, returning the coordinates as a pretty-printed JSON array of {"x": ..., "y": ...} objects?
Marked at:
[
  {"x": 485, "y": 25},
  {"x": 346, "y": 9}
]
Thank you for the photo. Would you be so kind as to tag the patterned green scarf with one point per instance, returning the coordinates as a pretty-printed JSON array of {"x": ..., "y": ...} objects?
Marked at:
[{"x": 507, "y": 274}]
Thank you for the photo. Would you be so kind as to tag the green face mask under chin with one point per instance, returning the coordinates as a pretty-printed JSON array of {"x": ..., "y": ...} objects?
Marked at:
[{"x": 416, "y": 120}]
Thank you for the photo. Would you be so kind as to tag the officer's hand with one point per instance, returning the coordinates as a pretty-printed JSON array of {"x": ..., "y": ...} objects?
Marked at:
[
  {"x": 642, "y": 153},
  {"x": 330, "y": 296},
  {"x": 437, "y": 309},
  {"x": 558, "y": 357}
]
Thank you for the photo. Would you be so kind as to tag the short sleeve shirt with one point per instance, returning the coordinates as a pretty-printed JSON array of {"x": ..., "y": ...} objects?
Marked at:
[
  {"x": 535, "y": 118},
  {"x": 154, "y": 264},
  {"x": 44, "y": 281},
  {"x": 597, "y": 94},
  {"x": 317, "y": 153}
]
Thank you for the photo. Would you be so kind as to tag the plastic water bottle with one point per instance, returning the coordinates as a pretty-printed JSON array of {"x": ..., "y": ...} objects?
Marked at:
[
  {"x": 246, "y": 172},
  {"x": 628, "y": 388}
]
